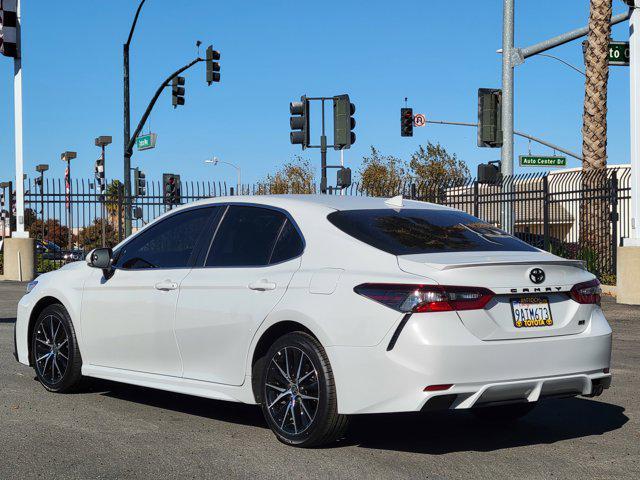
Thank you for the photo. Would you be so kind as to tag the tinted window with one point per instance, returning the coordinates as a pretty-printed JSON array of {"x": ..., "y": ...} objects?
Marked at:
[
  {"x": 168, "y": 244},
  {"x": 246, "y": 237},
  {"x": 412, "y": 231},
  {"x": 289, "y": 244}
]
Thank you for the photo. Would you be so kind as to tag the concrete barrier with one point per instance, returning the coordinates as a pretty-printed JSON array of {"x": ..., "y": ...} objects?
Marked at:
[{"x": 19, "y": 259}]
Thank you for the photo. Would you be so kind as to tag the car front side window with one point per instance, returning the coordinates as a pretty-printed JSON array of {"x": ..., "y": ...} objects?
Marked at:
[{"x": 168, "y": 244}]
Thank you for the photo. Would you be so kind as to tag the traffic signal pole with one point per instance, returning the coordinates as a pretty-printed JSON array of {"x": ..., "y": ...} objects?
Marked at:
[
  {"x": 127, "y": 123},
  {"x": 506, "y": 166}
]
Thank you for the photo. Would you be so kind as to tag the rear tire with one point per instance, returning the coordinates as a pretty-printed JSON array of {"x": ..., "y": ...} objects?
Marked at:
[
  {"x": 298, "y": 393},
  {"x": 54, "y": 347},
  {"x": 503, "y": 413}
]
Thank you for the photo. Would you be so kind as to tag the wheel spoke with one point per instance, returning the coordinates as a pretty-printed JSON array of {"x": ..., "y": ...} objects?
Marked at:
[
  {"x": 306, "y": 376},
  {"x": 55, "y": 335},
  {"x": 307, "y": 397},
  {"x": 299, "y": 367},
  {"x": 280, "y": 389},
  {"x": 43, "y": 342},
  {"x": 280, "y": 369},
  {"x": 48, "y": 354},
  {"x": 285, "y": 414},
  {"x": 293, "y": 417},
  {"x": 53, "y": 338},
  {"x": 63, "y": 355},
  {"x": 55, "y": 367},
  {"x": 279, "y": 397},
  {"x": 305, "y": 410},
  {"x": 286, "y": 361},
  {"x": 63, "y": 343}
]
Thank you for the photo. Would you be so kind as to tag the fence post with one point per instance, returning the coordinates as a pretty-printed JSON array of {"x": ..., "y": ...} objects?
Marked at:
[
  {"x": 120, "y": 195},
  {"x": 476, "y": 192},
  {"x": 545, "y": 210},
  {"x": 614, "y": 221}
]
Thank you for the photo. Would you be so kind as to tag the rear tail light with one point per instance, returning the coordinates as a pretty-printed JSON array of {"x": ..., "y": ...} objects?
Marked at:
[
  {"x": 425, "y": 298},
  {"x": 586, "y": 292},
  {"x": 438, "y": 388}
]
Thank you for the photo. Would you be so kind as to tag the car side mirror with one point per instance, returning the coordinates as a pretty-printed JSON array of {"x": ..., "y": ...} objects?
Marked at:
[{"x": 100, "y": 258}]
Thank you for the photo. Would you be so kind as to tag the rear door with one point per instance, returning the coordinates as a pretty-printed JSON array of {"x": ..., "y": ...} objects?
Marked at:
[{"x": 253, "y": 256}]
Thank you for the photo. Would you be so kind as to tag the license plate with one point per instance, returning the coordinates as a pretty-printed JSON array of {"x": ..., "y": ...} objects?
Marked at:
[{"x": 531, "y": 312}]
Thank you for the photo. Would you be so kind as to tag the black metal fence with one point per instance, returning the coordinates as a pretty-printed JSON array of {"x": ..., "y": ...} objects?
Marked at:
[{"x": 570, "y": 213}]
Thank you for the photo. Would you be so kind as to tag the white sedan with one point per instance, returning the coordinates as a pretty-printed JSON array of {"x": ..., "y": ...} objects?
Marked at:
[{"x": 317, "y": 307}]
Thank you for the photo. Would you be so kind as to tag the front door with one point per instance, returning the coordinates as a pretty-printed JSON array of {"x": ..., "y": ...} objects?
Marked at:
[{"x": 127, "y": 319}]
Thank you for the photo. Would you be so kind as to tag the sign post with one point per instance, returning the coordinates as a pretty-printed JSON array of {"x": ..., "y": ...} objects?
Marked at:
[{"x": 542, "y": 161}]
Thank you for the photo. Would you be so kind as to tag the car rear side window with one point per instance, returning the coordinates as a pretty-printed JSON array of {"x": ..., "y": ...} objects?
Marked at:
[
  {"x": 246, "y": 237},
  {"x": 289, "y": 244},
  {"x": 167, "y": 244},
  {"x": 413, "y": 231}
]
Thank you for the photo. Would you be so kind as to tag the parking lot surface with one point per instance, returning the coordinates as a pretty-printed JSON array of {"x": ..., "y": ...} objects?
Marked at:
[{"x": 118, "y": 431}]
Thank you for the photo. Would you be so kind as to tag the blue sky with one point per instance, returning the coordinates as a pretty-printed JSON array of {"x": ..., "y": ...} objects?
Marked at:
[{"x": 436, "y": 53}]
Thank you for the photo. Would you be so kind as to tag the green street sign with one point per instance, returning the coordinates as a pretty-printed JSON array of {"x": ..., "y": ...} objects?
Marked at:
[
  {"x": 542, "y": 161},
  {"x": 618, "y": 53},
  {"x": 145, "y": 142}
]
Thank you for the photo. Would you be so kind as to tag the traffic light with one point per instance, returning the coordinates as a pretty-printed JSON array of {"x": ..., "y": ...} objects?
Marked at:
[
  {"x": 171, "y": 188},
  {"x": 406, "y": 122},
  {"x": 343, "y": 122},
  {"x": 139, "y": 182},
  {"x": 344, "y": 178},
  {"x": 299, "y": 122},
  {"x": 489, "y": 117},
  {"x": 489, "y": 173},
  {"x": 177, "y": 91},
  {"x": 213, "y": 67}
]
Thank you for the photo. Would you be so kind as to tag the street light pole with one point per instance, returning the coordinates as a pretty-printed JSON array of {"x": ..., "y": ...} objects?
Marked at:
[
  {"x": 67, "y": 157},
  {"x": 127, "y": 124},
  {"x": 41, "y": 169},
  {"x": 216, "y": 161},
  {"x": 102, "y": 141}
]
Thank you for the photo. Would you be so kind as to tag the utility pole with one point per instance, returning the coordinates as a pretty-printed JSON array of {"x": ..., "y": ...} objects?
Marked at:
[
  {"x": 127, "y": 125},
  {"x": 67, "y": 157},
  {"x": 102, "y": 141},
  {"x": 507, "y": 109}
]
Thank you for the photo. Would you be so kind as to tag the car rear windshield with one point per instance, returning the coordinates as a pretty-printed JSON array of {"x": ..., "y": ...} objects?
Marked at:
[{"x": 413, "y": 231}]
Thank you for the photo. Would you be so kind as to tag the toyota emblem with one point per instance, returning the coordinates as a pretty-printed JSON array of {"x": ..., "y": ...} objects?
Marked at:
[{"x": 536, "y": 275}]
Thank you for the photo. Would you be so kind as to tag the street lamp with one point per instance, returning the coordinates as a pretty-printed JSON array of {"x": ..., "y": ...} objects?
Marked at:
[
  {"x": 43, "y": 167},
  {"x": 216, "y": 161},
  {"x": 67, "y": 157},
  {"x": 101, "y": 166}
]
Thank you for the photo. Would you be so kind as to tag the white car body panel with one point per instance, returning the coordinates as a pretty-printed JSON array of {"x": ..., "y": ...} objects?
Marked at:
[{"x": 200, "y": 338}]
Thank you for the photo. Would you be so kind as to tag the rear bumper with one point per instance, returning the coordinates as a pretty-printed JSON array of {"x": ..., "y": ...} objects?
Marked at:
[{"x": 436, "y": 349}]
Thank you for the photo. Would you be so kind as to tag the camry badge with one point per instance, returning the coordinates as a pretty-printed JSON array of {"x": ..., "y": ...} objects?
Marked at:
[{"x": 536, "y": 275}]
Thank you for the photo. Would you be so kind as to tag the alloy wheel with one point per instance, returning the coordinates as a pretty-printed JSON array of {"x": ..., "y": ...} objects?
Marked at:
[
  {"x": 51, "y": 349},
  {"x": 292, "y": 392}
]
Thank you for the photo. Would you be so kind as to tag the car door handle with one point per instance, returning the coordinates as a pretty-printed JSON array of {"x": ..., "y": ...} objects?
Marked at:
[
  {"x": 166, "y": 285},
  {"x": 262, "y": 285}
]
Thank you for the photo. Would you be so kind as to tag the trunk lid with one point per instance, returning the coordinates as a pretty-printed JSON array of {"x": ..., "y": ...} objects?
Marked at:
[{"x": 507, "y": 274}]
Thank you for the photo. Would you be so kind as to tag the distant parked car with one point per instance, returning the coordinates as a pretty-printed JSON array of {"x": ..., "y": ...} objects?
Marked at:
[{"x": 51, "y": 251}]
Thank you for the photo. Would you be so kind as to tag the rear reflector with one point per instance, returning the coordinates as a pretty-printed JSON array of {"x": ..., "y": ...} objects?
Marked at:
[
  {"x": 438, "y": 388},
  {"x": 586, "y": 292},
  {"x": 425, "y": 298}
]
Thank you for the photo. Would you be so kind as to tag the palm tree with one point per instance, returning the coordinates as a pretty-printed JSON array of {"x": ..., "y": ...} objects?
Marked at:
[{"x": 594, "y": 218}]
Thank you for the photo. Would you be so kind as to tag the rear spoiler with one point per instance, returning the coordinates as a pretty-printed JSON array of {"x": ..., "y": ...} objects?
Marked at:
[{"x": 569, "y": 263}]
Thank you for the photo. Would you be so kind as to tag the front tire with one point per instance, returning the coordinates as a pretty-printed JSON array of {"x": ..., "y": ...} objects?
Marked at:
[
  {"x": 299, "y": 399},
  {"x": 56, "y": 357}
]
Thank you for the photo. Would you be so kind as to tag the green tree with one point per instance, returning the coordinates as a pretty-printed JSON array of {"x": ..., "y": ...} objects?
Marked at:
[
  {"x": 53, "y": 232},
  {"x": 296, "y": 176},
  {"x": 91, "y": 237},
  {"x": 433, "y": 165},
  {"x": 380, "y": 175}
]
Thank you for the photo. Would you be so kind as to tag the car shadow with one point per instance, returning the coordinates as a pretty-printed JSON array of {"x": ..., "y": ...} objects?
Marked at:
[
  {"x": 8, "y": 320},
  {"x": 433, "y": 433},
  {"x": 231, "y": 412},
  {"x": 438, "y": 433}
]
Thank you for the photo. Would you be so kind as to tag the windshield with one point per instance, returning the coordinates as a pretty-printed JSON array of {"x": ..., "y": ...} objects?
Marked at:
[{"x": 413, "y": 231}]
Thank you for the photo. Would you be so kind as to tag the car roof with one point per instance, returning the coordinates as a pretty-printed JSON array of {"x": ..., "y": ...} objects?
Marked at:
[{"x": 333, "y": 202}]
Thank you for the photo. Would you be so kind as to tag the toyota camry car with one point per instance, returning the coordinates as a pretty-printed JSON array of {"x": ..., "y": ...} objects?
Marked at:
[{"x": 320, "y": 307}]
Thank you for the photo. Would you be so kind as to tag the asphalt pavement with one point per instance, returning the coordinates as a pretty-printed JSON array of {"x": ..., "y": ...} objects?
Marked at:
[{"x": 115, "y": 431}]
